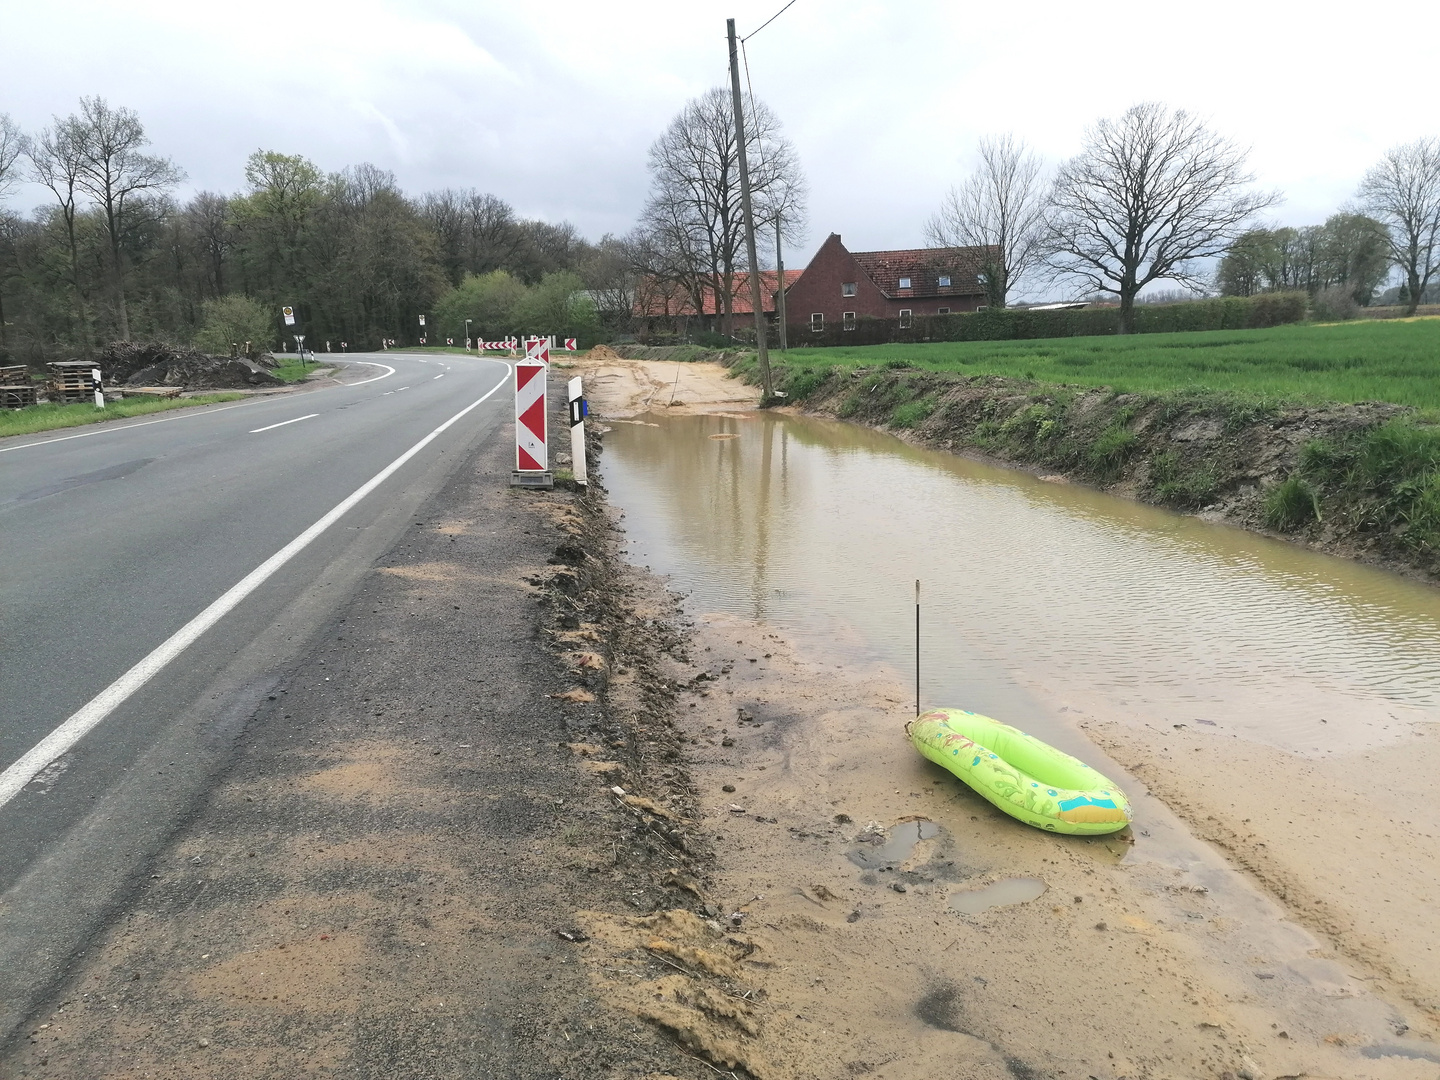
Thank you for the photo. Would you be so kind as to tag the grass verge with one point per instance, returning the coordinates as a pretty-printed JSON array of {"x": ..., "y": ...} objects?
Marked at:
[
  {"x": 1345, "y": 362},
  {"x": 47, "y": 417},
  {"x": 293, "y": 370}
]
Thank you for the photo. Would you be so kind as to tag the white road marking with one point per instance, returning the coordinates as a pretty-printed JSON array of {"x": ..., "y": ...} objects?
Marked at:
[
  {"x": 399, "y": 388},
  {"x": 104, "y": 429},
  {"x": 282, "y": 423},
  {"x": 440, "y": 376},
  {"x": 370, "y": 363},
  {"x": 83, "y": 720}
]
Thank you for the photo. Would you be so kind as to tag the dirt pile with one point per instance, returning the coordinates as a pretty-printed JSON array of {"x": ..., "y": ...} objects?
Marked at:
[
  {"x": 672, "y": 353},
  {"x": 154, "y": 363}
]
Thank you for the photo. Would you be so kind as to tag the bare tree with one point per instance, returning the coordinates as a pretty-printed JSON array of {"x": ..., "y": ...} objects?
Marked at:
[
  {"x": 1000, "y": 207},
  {"x": 12, "y": 143},
  {"x": 117, "y": 176},
  {"x": 694, "y": 213},
  {"x": 1403, "y": 192},
  {"x": 56, "y": 160},
  {"x": 208, "y": 216},
  {"x": 1150, "y": 194}
]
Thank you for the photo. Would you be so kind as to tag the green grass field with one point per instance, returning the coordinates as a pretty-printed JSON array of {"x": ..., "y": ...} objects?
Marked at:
[
  {"x": 47, "y": 416},
  {"x": 1356, "y": 361}
]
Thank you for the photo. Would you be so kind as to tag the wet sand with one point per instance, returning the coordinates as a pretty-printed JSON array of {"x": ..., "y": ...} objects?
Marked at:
[{"x": 1269, "y": 918}]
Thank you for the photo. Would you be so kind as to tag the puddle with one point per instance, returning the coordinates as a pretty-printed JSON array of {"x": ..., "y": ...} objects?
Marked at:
[
  {"x": 889, "y": 850},
  {"x": 1414, "y": 1053},
  {"x": 1019, "y": 890},
  {"x": 1180, "y": 620}
]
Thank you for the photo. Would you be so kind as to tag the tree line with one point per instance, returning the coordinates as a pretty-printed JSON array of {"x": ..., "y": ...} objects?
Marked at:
[
  {"x": 114, "y": 255},
  {"x": 1157, "y": 196}
]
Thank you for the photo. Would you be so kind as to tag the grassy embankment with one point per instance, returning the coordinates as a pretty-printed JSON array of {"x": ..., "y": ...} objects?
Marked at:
[
  {"x": 292, "y": 370},
  {"x": 1266, "y": 425},
  {"x": 45, "y": 417}
]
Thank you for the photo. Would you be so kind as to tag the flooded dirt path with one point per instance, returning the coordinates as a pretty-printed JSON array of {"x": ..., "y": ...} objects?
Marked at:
[{"x": 1272, "y": 711}]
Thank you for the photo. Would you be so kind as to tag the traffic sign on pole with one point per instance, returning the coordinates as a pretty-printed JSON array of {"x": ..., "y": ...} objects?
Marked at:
[{"x": 289, "y": 314}]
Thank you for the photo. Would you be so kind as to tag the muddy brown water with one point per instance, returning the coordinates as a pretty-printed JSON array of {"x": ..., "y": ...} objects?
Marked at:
[{"x": 821, "y": 528}]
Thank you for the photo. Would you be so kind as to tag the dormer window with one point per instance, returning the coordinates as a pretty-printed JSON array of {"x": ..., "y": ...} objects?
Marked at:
[
  {"x": 944, "y": 281},
  {"x": 847, "y": 288},
  {"x": 904, "y": 283}
]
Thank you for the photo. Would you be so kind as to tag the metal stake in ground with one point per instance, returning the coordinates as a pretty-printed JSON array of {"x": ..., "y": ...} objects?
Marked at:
[
  {"x": 917, "y": 646},
  {"x": 755, "y": 301}
]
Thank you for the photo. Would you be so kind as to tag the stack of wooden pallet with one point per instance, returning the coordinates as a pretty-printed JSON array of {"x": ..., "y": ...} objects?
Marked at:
[
  {"x": 70, "y": 382},
  {"x": 16, "y": 388}
]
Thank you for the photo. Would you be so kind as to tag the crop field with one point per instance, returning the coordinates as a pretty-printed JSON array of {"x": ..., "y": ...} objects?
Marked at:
[{"x": 1394, "y": 360}]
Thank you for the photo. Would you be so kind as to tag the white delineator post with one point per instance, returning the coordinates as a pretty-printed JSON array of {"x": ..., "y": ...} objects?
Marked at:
[
  {"x": 532, "y": 459},
  {"x": 578, "y": 410},
  {"x": 98, "y": 387}
]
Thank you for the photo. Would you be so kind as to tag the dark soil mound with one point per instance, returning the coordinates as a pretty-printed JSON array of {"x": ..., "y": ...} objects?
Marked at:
[{"x": 154, "y": 363}]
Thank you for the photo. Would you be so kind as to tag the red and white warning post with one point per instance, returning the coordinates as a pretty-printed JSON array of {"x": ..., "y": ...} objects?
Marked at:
[{"x": 532, "y": 457}]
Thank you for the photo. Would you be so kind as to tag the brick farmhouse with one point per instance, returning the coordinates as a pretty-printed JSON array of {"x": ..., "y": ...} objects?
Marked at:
[{"x": 840, "y": 286}]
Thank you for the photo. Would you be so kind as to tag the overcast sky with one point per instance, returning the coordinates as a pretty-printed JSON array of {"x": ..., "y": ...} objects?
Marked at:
[{"x": 552, "y": 105}]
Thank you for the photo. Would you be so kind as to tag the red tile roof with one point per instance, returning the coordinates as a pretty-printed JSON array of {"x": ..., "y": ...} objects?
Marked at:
[
  {"x": 655, "y": 298},
  {"x": 923, "y": 266}
]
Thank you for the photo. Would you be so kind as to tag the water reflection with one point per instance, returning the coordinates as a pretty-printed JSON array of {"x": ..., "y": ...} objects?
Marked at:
[{"x": 821, "y": 527}]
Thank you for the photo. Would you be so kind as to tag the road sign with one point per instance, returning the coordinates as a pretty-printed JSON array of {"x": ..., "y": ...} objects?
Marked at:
[
  {"x": 531, "y": 453},
  {"x": 289, "y": 313},
  {"x": 422, "y": 320},
  {"x": 569, "y": 344}
]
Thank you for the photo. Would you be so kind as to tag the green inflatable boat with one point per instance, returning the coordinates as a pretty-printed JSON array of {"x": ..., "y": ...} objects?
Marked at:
[{"x": 1027, "y": 778}]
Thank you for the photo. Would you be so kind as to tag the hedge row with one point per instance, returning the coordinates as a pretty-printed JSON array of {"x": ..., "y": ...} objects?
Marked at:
[{"x": 1010, "y": 324}]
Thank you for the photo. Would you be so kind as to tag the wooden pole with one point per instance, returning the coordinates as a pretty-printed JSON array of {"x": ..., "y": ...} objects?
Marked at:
[{"x": 763, "y": 353}]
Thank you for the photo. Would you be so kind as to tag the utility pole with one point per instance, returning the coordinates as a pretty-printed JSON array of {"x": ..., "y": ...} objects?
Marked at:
[
  {"x": 755, "y": 300},
  {"x": 780, "y": 286}
]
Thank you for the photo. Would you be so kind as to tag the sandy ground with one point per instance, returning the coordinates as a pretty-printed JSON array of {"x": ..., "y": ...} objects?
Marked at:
[
  {"x": 868, "y": 915},
  {"x": 841, "y": 857},
  {"x": 620, "y": 389}
]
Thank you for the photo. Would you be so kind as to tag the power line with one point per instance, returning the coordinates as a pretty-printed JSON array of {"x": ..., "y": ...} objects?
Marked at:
[{"x": 767, "y": 22}]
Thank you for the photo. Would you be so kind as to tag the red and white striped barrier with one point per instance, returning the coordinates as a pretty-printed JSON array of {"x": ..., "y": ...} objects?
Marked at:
[
  {"x": 569, "y": 344},
  {"x": 532, "y": 457},
  {"x": 537, "y": 349}
]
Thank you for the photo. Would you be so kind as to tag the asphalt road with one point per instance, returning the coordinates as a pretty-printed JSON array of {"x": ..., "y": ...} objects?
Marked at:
[{"x": 116, "y": 537}]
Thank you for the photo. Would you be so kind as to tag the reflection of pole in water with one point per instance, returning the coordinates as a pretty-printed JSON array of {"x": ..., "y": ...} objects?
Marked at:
[
  {"x": 917, "y": 646},
  {"x": 761, "y": 590}
]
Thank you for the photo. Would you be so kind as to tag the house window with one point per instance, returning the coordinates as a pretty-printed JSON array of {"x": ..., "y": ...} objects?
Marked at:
[
  {"x": 847, "y": 289},
  {"x": 944, "y": 311},
  {"x": 904, "y": 283},
  {"x": 982, "y": 307},
  {"x": 848, "y": 320},
  {"x": 944, "y": 282},
  {"x": 905, "y": 318},
  {"x": 817, "y": 322}
]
